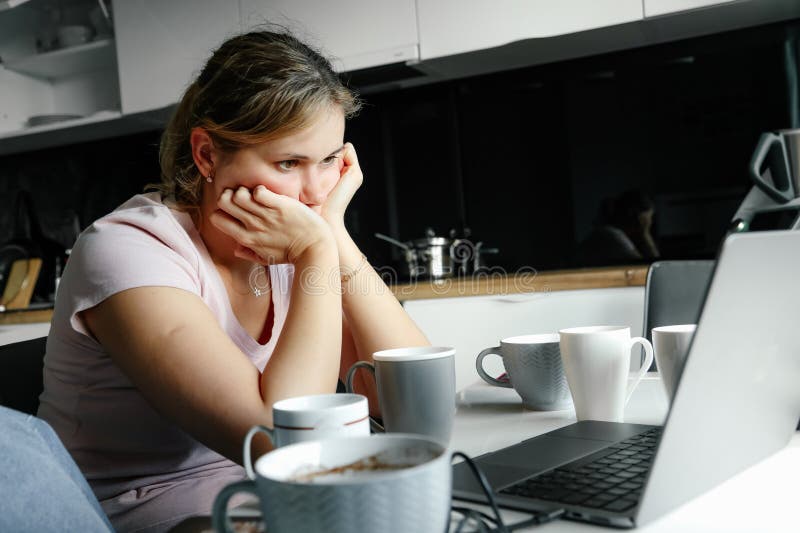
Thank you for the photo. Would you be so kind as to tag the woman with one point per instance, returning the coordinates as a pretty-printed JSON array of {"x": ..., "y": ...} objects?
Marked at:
[
  {"x": 183, "y": 315},
  {"x": 624, "y": 233}
]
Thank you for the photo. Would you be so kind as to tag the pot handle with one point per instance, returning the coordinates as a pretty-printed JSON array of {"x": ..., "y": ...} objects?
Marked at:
[
  {"x": 393, "y": 241},
  {"x": 463, "y": 251}
]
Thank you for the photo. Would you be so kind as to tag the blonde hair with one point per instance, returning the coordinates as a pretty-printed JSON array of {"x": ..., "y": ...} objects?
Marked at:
[{"x": 255, "y": 87}]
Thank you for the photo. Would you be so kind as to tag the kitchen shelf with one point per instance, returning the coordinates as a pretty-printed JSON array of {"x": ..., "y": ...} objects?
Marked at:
[
  {"x": 8, "y": 4},
  {"x": 102, "y": 116},
  {"x": 101, "y": 125},
  {"x": 94, "y": 55}
]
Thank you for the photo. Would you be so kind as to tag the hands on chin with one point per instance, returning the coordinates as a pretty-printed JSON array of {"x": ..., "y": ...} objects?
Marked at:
[{"x": 270, "y": 228}]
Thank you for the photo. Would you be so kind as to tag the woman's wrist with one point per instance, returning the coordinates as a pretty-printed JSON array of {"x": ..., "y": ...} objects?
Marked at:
[
  {"x": 336, "y": 225},
  {"x": 317, "y": 267},
  {"x": 350, "y": 255},
  {"x": 320, "y": 252},
  {"x": 321, "y": 243}
]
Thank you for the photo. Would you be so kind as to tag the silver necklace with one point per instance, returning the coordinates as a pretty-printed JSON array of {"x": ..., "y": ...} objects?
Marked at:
[{"x": 258, "y": 280}]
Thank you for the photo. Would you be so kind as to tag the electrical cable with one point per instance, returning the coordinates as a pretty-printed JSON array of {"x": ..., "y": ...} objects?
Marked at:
[{"x": 494, "y": 524}]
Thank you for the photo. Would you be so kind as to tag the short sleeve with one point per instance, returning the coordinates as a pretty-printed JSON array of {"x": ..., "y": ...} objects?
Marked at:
[{"x": 138, "y": 248}]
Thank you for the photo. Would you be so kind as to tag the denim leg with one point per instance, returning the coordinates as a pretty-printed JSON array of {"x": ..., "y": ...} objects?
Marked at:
[{"x": 41, "y": 488}]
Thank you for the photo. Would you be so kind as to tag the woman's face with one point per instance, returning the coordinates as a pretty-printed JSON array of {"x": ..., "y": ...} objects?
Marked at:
[{"x": 305, "y": 165}]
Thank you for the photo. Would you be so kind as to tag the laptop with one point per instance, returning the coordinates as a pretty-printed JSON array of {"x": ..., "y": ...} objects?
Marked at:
[{"x": 737, "y": 401}]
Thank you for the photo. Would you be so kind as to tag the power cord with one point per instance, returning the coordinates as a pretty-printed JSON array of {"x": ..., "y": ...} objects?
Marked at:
[{"x": 494, "y": 524}]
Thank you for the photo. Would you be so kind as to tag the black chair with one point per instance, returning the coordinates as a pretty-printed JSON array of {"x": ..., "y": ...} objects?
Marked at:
[
  {"x": 21, "y": 365},
  {"x": 674, "y": 293}
]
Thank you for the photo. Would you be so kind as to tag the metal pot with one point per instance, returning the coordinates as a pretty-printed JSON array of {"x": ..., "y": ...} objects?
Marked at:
[
  {"x": 428, "y": 257},
  {"x": 434, "y": 257}
]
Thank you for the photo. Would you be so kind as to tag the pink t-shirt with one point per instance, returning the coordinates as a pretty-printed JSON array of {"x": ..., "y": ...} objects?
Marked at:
[{"x": 147, "y": 473}]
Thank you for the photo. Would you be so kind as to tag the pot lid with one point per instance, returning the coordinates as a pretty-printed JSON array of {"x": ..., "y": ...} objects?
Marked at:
[{"x": 431, "y": 241}]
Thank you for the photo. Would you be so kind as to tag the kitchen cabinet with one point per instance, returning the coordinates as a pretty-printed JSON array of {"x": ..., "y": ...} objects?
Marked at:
[
  {"x": 41, "y": 76},
  {"x": 653, "y": 8},
  {"x": 129, "y": 82},
  {"x": 8, "y": 4},
  {"x": 356, "y": 34},
  {"x": 449, "y": 27},
  {"x": 161, "y": 46},
  {"x": 81, "y": 59}
]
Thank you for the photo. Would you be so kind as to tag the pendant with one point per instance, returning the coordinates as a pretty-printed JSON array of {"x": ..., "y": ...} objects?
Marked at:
[{"x": 258, "y": 280}]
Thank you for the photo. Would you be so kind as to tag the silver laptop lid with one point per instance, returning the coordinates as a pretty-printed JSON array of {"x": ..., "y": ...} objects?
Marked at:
[{"x": 738, "y": 399}]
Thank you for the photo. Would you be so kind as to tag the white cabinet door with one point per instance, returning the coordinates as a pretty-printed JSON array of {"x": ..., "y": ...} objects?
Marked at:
[
  {"x": 355, "y": 34},
  {"x": 454, "y": 26},
  {"x": 654, "y": 8},
  {"x": 161, "y": 46}
]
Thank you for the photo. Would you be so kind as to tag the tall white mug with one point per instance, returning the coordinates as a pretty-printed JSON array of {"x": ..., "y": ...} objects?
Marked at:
[
  {"x": 597, "y": 363},
  {"x": 671, "y": 344}
]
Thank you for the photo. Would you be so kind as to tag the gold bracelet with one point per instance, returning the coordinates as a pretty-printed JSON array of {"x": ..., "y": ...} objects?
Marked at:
[{"x": 349, "y": 275}]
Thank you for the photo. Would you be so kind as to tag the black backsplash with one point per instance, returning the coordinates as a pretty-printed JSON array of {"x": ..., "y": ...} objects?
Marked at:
[
  {"x": 84, "y": 180},
  {"x": 523, "y": 158}
]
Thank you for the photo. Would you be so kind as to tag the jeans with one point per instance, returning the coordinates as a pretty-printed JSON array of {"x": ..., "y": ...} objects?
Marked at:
[{"x": 41, "y": 488}]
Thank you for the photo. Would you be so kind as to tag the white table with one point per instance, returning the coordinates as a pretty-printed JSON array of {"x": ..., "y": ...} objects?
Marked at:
[{"x": 763, "y": 498}]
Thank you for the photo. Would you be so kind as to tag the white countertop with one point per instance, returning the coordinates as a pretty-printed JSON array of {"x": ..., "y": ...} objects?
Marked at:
[
  {"x": 763, "y": 498},
  {"x": 23, "y": 332}
]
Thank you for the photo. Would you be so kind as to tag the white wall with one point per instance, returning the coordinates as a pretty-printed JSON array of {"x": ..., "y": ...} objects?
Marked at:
[{"x": 471, "y": 324}]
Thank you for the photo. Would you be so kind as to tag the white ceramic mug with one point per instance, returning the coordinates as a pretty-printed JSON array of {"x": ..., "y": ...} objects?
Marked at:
[
  {"x": 393, "y": 483},
  {"x": 535, "y": 370},
  {"x": 597, "y": 363},
  {"x": 313, "y": 417},
  {"x": 671, "y": 344}
]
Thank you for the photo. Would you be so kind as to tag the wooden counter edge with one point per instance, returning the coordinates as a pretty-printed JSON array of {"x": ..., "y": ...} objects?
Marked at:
[
  {"x": 25, "y": 316},
  {"x": 525, "y": 282},
  {"x": 483, "y": 285}
]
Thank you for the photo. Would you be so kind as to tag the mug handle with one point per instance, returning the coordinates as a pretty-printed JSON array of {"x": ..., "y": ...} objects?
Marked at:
[
  {"x": 482, "y": 373},
  {"x": 348, "y": 385},
  {"x": 219, "y": 513},
  {"x": 648, "y": 361},
  {"x": 248, "y": 465}
]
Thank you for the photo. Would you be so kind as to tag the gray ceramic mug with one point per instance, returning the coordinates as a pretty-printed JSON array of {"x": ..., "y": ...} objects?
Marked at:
[
  {"x": 535, "y": 371},
  {"x": 416, "y": 390},
  {"x": 671, "y": 345},
  {"x": 389, "y": 483}
]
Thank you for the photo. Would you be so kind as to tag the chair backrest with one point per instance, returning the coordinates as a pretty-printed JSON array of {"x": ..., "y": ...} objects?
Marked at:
[
  {"x": 674, "y": 293},
  {"x": 21, "y": 365}
]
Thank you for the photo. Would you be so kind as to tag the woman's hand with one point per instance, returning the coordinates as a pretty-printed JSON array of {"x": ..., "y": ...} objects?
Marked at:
[
  {"x": 269, "y": 228},
  {"x": 339, "y": 198}
]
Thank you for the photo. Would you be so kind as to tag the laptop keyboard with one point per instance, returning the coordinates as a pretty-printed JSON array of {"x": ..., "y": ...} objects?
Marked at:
[{"x": 611, "y": 479}]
